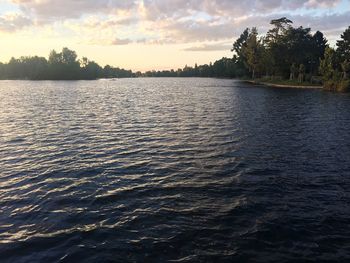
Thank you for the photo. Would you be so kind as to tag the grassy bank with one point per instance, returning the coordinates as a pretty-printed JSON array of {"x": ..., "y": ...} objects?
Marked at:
[
  {"x": 285, "y": 83},
  {"x": 337, "y": 85}
]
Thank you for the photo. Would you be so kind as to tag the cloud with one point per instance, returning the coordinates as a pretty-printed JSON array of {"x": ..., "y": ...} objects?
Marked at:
[
  {"x": 12, "y": 22},
  {"x": 160, "y": 9},
  {"x": 120, "y": 42},
  {"x": 322, "y": 3},
  {"x": 172, "y": 21},
  {"x": 208, "y": 47},
  {"x": 53, "y": 10}
]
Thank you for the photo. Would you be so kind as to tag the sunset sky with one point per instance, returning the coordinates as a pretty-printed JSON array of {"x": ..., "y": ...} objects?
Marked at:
[{"x": 153, "y": 34}]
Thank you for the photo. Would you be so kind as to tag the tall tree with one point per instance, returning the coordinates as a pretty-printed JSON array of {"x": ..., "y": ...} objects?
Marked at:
[
  {"x": 327, "y": 64},
  {"x": 345, "y": 68},
  {"x": 237, "y": 48},
  {"x": 280, "y": 26},
  {"x": 252, "y": 52},
  {"x": 276, "y": 44},
  {"x": 343, "y": 45},
  {"x": 319, "y": 45}
]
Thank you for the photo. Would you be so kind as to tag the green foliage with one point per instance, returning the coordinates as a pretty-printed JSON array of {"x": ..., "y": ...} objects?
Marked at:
[
  {"x": 223, "y": 68},
  {"x": 345, "y": 65},
  {"x": 59, "y": 66},
  {"x": 282, "y": 47},
  {"x": 335, "y": 67},
  {"x": 252, "y": 53},
  {"x": 327, "y": 64},
  {"x": 301, "y": 76},
  {"x": 288, "y": 52},
  {"x": 280, "y": 27},
  {"x": 238, "y": 46},
  {"x": 343, "y": 45},
  {"x": 344, "y": 86},
  {"x": 284, "y": 53},
  {"x": 337, "y": 86},
  {"x": 293, "y": 71}
]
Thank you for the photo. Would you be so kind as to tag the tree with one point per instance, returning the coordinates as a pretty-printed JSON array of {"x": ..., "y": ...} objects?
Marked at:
[
  {"x": 84, "y": 62},
  {"x": 54, "y": 57},
  {"x": 320, "y": 44},
  {"x": 293, "y": 71},
  {"x": 277, "y": 46},
  {"x": 317, "y": 51},
  {"x": 68, "y": 57},
  {"x": 252, "y": 52},
  {"x": 238, "y": 47},
  {"x": 64, "y": 65},
  {"x": 287, "y": 45},
  {"x": 345, "y": 68},
  {"x": 343, "y": 45},
  {"x": 280, "y": 26},
  {"x": 301, "y": 76},
  {"x": 59, "y": 66},
  {"x": 327, "y": 64},
  {"x": 241, "y": 42}
]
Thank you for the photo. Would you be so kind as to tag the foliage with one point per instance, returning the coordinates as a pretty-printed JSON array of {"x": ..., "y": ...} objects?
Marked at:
[
  {"x": 59, "y": 66},
  {"x": 252, "y": 53},
  {"x": 283, "y": 47},
  {"x": 335, "y": 67},
  {"x": 288, "y": 52},
  {"x": 285, "y": 53},
  {"x": 343, "y": 45},
  {"x": 223, "y": 68},
  {"x": 327, "y": 64}
]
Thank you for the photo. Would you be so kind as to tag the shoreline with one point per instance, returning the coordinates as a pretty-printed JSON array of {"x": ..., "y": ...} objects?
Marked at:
[{"x": 254, "y": 82}]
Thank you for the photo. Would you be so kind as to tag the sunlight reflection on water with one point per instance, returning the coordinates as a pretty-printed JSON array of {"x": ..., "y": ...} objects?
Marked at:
[{"x": 172, "y": 169}]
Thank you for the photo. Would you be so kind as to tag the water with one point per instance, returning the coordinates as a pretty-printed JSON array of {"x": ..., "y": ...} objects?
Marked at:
[{"x": 177, "y": 170}]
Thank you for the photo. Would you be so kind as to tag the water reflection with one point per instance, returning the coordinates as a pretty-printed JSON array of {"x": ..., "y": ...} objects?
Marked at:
[{"x": 172, "y": 169}]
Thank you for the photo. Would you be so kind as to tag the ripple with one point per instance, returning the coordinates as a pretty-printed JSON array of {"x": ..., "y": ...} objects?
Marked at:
[{"x": 172, "y": 170}]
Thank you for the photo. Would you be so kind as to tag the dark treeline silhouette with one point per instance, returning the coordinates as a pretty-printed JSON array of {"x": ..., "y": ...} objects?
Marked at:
[
  {"x": 66, "y": 66},
  {"x": 223, "y": 68},
  {"x": 287, "y": 54},
  {"x": 60, "y": 66},
  {"x": 282, "y": 53},
  {"x": 335, "y": 67},
  {"x": 292, "y": 54}
]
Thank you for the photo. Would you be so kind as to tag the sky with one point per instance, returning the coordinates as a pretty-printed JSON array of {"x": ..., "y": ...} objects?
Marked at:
[{"x": 153, "y": 34}]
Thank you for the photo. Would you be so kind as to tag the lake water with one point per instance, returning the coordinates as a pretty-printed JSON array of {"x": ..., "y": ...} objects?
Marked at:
[{"x": 177, "y": 170}]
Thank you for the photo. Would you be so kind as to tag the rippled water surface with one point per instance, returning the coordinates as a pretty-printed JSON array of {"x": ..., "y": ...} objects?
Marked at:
[{"x": 176, "y": 170}]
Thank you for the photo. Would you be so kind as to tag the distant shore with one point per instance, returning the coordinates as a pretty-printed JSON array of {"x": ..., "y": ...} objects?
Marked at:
[{"x": 287, "y": 86}]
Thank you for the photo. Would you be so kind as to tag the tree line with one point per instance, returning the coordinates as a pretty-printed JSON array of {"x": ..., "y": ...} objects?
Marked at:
[
  {"x": 293, "y": 54},
  {"x": 63, "y": 65},
  {"x": 335, "y": 66},
  {"x": 223, "y": 68},
  {"x": 285, "y": 53}
]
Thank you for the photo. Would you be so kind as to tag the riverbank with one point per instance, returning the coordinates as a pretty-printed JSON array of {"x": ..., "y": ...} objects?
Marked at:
[{"x": 287, "y": 86}]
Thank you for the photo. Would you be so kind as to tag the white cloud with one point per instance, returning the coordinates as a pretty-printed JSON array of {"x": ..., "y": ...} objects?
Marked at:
[
  {"x": 12, "y": 22},
  {"x": 209, "y": 47},
  {"x": 50, "y": 10},
  {"x": 171, "y": 21},
  {"x": 121, "y": 41}
]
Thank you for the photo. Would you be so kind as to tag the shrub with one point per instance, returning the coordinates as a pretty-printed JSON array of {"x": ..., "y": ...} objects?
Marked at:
[
  {"x": 329, "y": 85},
  {"x": 343, "y": 86}
]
